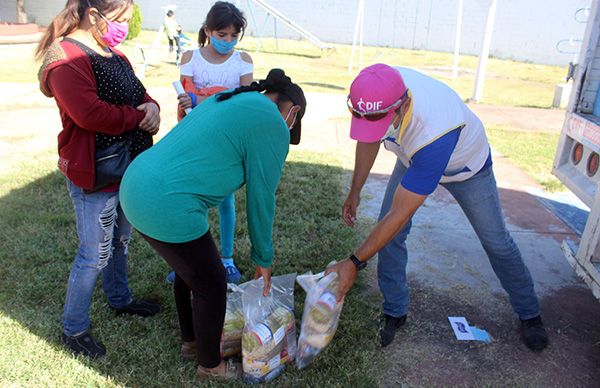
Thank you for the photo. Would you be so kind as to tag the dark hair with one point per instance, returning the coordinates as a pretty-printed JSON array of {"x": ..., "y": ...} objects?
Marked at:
[
  {"x": 69, "y": 18},
  {"x": 276, "y": 82},
  {"x": 222, "y": 15},
  {"x": 170, "y": 13}
]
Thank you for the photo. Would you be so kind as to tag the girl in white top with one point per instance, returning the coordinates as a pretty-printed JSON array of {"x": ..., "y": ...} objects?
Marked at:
[{"x": 213, "y": 67}]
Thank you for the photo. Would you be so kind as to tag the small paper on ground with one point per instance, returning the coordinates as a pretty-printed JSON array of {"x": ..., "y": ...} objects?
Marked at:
[
  {"x": 464, "y": 332},
  {"x": 461, "y": 328}
]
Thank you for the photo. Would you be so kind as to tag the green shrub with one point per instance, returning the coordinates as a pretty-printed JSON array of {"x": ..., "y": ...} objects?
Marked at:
[{"x": 135, "y": 24}]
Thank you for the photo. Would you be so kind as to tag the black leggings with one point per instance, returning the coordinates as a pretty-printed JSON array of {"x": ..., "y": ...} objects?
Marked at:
[{"x": 199, "y": 269}]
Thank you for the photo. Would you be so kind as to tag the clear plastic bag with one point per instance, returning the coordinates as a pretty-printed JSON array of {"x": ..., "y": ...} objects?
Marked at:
[
  {"x": 269, "y": 337},
  {"x": 231, "y": 338},
  {"x": 321, "y": 315}
]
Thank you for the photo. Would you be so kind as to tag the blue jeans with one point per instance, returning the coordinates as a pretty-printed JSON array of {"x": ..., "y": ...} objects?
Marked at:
[
  {"x": 478, "y": 198},
  {"x": 227, "y": 225},
  {"x": 104, "y": 235}
]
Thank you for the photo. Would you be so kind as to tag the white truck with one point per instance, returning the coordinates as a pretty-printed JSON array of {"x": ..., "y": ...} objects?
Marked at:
[{"x": 577, "y": 159}]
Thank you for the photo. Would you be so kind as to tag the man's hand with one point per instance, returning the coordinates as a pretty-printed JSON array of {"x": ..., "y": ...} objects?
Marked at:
[
  {"x": 346, "y": 271},
  {"x": 349, "y": 208},
  {"x": 266, "y": 275},
  {"x": 151, "y": 122},
  {"x": 185, "y": 101}
]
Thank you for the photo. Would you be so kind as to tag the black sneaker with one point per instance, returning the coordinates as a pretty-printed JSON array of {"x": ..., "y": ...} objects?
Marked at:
[
  {"x": 140, "y": 307},
  {"x": 533, "y": 334},
  {"x": 84, "y": 344},
  {"x": 390, "y": 326}
]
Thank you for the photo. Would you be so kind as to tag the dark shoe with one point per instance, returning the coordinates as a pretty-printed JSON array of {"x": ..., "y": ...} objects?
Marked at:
[
  {"x": 390, "y": 326},
  {"x": 84, "y": 344},
  {"x": 140, "y": 307},
  {"x": 533, "y": 334}
]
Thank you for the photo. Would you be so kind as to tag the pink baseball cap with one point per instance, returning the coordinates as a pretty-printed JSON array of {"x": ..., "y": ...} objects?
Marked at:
[{"x": 376, "y": 88}]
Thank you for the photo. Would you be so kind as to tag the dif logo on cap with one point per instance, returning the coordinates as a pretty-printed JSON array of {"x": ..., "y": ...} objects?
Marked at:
[{"x": 376, "y": 87}]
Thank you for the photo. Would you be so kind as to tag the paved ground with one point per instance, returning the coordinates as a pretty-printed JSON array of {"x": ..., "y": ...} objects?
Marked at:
[{"x": 449, "y": 272}]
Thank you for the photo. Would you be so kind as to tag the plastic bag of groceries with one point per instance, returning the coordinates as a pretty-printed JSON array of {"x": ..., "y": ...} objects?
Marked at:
[
  {"x": 269, "y": 337},
  {"x": 231, "y": 338},
  {"x": 321, "y": 315}
]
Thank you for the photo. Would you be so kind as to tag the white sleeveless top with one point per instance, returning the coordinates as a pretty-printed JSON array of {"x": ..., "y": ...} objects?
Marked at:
[
  {"x": 206, "y": 74},
  {"x": 437, "y": 110}
]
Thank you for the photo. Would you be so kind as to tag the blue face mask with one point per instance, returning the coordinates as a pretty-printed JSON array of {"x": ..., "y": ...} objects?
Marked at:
[{"x": 222, "y": 46}]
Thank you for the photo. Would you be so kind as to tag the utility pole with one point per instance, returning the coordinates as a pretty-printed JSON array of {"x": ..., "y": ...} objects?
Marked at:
[
  {"x": 485, "y": 52},
  {"x": 358, "y": 35},
  {"x": 457, "y": 39}
]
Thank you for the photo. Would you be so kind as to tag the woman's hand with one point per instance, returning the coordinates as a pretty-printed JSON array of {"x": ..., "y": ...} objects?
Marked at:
[
  {"x": 266, "y": 275},
  {"x": 185, "y": 101},
  {"x": 151, "y": 122}
]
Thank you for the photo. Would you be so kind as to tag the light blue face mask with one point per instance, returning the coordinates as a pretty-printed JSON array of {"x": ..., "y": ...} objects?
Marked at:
[{"x": 222, "y": 46}]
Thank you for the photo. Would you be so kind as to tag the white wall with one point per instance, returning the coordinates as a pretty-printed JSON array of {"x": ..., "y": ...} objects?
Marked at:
[
  {"x": 524, "y": 29},
  {"x": 8, "y": 10},
  {"x": 38, "y": 11}
]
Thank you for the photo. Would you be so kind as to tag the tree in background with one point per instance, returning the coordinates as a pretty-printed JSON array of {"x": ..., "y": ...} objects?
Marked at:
[
  {"x": 21, "y": 14},
  {"x": 135, "y": 24}
]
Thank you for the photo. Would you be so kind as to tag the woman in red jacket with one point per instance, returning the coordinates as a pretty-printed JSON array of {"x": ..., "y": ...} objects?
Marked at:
[{"x": 101, "y": 103}]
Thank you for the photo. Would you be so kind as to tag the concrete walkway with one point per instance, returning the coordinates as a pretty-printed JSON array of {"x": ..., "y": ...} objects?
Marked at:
[{"x": 524, "y": 119}]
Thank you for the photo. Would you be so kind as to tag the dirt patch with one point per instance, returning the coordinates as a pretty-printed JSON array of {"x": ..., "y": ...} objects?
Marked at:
[{"x": 425, "y": 352}]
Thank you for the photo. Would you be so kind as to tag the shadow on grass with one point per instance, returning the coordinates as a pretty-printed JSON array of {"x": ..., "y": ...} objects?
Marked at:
[{"x": 38, "y": 242}]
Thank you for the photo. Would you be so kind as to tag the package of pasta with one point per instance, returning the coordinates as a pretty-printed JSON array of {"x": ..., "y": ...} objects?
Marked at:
[
  {"x": 231, "y": 338},
  {"x": 321, "y": 315},
  {"x": 269, "y": 336}
]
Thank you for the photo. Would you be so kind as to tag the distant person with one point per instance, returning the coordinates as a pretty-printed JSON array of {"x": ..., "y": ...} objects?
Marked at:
[
  {"x": 101, "y": 102},
  {"x": 171, "y": 25},
  {"x": 438, "y": 140},
  {"x": 237, "y": 138},
  {"x": 213, "y": 67},
  {"x": 183, "y": 39}
]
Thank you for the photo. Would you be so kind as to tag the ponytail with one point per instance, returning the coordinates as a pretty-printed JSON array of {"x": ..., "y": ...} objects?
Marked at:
[
  {"x": 63, "y": 24},
  {"x": 276, "y": 82},
  {"x": 202, "y": 38},
  {"x": 259, "y": 86}
]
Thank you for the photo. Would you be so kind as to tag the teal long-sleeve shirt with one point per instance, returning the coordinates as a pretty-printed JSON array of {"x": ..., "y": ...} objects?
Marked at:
[{"x": 220, "y": 146}]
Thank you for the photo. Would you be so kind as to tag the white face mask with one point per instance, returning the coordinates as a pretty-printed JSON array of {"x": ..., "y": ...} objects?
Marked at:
[
  {"x": 392, "y": 132},
  {"x": 293, "y": 121}
]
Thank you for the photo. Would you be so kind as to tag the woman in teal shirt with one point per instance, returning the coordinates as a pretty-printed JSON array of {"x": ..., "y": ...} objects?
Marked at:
[{"x": 238, "y": 137}]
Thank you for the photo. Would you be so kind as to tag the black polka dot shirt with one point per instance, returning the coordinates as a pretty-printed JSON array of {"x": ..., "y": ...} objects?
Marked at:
[{"x": 117, "y": 84}]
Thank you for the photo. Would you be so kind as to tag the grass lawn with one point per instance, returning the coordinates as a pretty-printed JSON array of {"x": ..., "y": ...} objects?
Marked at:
[
  {"x": 37, "y": 236},
  {"x": 531, "y": 151},
  {"x": 508, "y": 82}
]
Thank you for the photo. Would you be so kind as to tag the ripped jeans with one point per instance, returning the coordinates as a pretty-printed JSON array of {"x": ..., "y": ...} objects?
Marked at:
[{"x": 104, "y": 234}]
